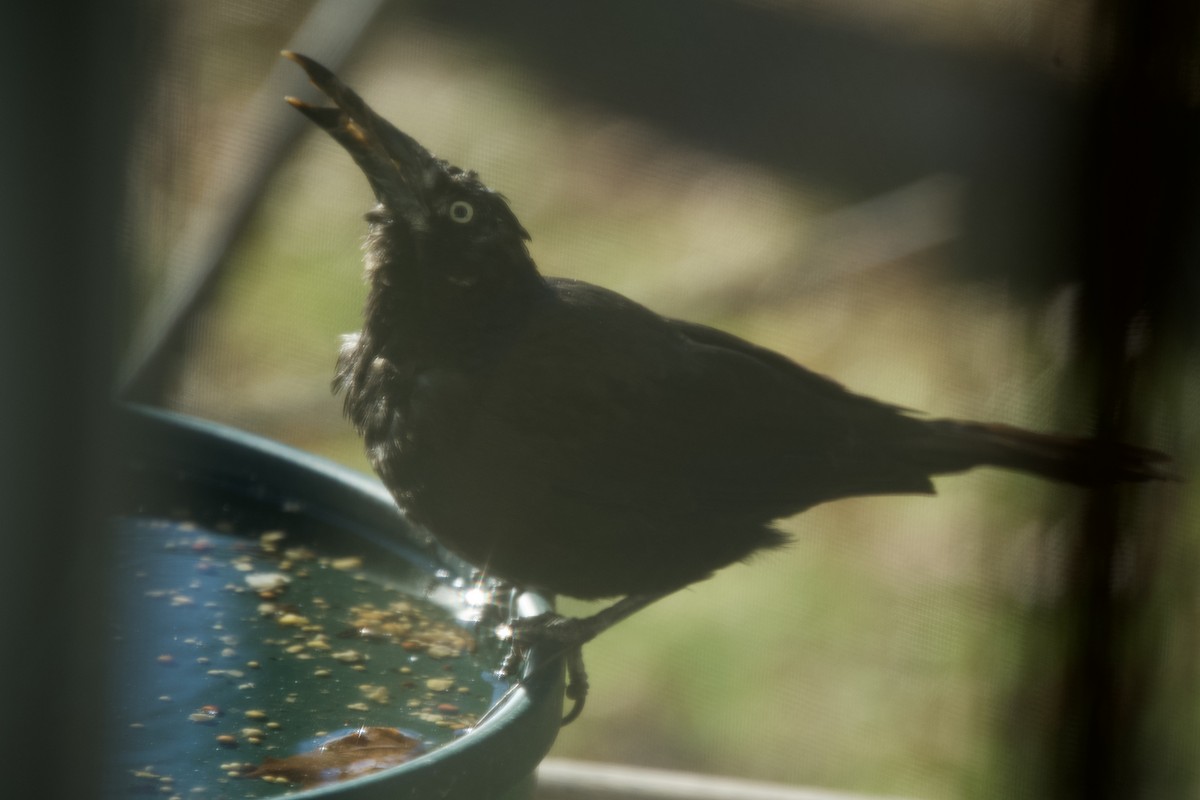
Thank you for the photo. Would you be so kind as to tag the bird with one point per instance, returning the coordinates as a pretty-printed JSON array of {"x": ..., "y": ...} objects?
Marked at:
[{"x": 562, "y": 437}]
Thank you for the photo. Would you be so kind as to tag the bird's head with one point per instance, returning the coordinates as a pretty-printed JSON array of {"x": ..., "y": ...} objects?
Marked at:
[{"x": 437, "y": 231}]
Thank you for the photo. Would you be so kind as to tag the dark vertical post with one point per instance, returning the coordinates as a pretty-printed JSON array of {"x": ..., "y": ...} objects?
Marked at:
[
  {"x": 1136, "y": 190},
  {"x": 67, "y": 108}
]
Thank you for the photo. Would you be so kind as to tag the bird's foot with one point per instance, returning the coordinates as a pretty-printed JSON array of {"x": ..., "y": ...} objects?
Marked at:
[
  {"x": 565, "y": 635},
  {"x": 551, "y": 627}
]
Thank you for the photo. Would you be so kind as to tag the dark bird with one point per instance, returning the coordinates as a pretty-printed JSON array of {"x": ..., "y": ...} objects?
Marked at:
[{"x": 562, "y": 437}]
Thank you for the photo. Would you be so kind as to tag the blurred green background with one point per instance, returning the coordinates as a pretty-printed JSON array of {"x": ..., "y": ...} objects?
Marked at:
[{"x": 890, "y": 648}]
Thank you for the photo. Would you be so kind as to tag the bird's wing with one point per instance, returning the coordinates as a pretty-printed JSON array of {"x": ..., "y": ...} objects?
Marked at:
[{"x": 605, "y": 397}]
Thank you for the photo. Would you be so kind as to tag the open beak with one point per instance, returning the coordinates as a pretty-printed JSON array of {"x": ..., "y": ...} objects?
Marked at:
[{"x": 397, "y": 167}]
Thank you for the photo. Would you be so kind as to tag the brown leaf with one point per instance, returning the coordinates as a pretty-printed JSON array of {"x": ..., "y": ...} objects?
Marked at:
[{"x": 361, "y": 752}]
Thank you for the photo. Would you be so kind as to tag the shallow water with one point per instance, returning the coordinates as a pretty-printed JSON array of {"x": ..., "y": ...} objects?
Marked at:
[{"x": 231, "y": 647}]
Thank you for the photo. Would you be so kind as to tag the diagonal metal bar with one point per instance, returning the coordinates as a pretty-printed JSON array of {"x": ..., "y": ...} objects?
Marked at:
[{"x": 255, "y": 149}]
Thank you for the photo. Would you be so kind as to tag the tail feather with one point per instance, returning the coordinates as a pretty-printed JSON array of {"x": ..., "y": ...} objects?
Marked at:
[{"x": 955, "y": 446}]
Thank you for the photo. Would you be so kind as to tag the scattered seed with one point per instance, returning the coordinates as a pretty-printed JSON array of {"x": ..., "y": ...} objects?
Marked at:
[
  {"x": 376, "y": 694},
  {"x": 272, "y": 537},
  {"x": 299, "y": 554},
  {"x": 266, "y": 581}
]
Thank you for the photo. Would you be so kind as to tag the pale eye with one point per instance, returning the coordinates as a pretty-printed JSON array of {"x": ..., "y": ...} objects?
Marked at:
[{"x": 461, "y": 211}]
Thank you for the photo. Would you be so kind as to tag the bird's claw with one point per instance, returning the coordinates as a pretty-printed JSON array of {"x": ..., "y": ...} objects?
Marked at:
[
  {"x": 568, "y": 635},
  {"x": 577, "y": 684},
  {"x": 551, "y": 627}
]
